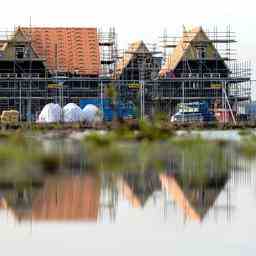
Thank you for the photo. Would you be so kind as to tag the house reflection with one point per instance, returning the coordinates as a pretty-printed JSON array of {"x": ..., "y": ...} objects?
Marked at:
[
  {"x": 195, "y": 199},
  {"x": 138, "y": 187},
  {"x": 60, "y": 199},
  {"x": 93, "y": 197}
]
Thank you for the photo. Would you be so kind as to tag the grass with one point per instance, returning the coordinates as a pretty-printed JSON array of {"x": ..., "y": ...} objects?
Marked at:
[
  {"x": 144, "y": 131},
  {"x": 247, "y": 146},
  {"x": 23, "y": 159},
  {"x": 245, "y": 132},
  {"x": 113, "y": 151}
]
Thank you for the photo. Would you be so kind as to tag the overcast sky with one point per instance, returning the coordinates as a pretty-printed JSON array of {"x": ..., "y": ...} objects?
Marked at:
[{"x": 134, "y": 19}]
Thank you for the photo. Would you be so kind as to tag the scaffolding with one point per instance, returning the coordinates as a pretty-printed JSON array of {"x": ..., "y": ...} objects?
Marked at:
[
  {"x": 140, "y": 62},
  {"x": 222, "y": 81},
  {"x": 136, "y": 72},
  {"x": 108, "y": 52},
  {"x": 219, "y": 78}
]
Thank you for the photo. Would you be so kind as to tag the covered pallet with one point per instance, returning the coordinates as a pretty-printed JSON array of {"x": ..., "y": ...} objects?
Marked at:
[
  {"x": 51, "y": 113},
  {"x": 72, "y": 113},
  {"x": 10, "y": 117},
  {"x": 92, "y": 114}
]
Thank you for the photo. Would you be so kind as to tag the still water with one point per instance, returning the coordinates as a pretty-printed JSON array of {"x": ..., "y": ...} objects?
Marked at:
[{"x": 133, "y": 213}]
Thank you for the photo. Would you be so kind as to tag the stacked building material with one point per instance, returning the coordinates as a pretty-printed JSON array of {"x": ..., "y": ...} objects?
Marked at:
[
  {"x": 10, "y": 117},
  {"x": 51, "y": 113},
  {"x": 72, "y": 113},
  {"x": 92, "y": 114}
]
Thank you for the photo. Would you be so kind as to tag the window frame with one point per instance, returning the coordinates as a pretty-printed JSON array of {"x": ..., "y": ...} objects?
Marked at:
[
  {"x": 201, "y": 52},
  {"x": 19, "y": 50}
]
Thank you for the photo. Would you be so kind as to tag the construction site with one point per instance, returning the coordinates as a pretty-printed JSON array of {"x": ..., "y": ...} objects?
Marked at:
[{"x": 41, "y": 65}]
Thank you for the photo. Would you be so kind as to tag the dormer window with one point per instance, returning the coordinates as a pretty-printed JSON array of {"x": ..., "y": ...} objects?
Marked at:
[
  {"x": 201, "y": 52},
  {"x": 20, "y": 52}
]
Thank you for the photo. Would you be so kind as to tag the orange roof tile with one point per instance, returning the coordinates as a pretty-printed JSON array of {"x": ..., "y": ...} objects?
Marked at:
[{"x": 67, "y": 49}]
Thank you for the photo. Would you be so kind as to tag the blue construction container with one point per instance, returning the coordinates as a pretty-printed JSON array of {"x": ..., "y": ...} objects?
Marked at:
[
  {"x": 122, "y": 110},
  {"x": 193, "y": 112}
]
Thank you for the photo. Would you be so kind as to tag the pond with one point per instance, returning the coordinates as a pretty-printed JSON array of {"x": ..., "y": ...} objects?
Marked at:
[{"x": 179, "y": 200}]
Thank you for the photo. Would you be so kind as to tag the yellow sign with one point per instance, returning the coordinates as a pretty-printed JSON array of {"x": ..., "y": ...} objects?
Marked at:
[
  {"x": 134, "y": 86},
  {"x": 54, "y": 86},
  {"x": 216, "y": 86}
]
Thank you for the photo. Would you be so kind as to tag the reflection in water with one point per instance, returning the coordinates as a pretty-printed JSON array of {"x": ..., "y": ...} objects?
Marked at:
[
  {"x": 90, "y": 197},
  {"x": 137, "y": 188},
  {"x": 60, "y": 199},
  {"x": 173, "y": 197},
  {"x": 195, "y": 201},
  {"x": 93, "y": 197}
]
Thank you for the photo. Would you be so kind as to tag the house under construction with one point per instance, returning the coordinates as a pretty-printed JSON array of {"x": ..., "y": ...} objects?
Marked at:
[
  {"x": 198, "y": 67},
  {"x": 42, "y": 65}
]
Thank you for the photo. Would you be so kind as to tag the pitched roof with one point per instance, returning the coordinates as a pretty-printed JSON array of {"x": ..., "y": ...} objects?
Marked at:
[
  {"x": 67, "y": 49},
  {"x": 15, "y": 38},
  {"x": 136, "y": 48},
  {"x": 185, "y": 48}
]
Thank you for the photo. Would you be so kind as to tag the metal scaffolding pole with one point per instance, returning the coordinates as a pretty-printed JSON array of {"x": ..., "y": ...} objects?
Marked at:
[
  {"x": 142, "y": 99},
  {"x": 101, "y": 97}
]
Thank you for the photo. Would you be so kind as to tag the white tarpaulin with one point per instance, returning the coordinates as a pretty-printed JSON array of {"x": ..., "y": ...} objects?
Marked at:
[
  {"x": 92, "y": 113},
  {"x": 51, "y": 113},
  {"x": 72, "y": 113}
]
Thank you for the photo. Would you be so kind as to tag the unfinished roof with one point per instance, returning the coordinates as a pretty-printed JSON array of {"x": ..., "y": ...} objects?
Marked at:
[
  {"x": 135, "y": 49},
  {"x": 72, "y": 50},
  {"x": 186, "y": 49},
  {"x": 17, "y": 38}
]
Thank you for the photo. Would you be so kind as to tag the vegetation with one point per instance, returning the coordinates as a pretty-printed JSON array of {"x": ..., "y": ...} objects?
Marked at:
[
  {"x": 140, "y": 153},
  {"x": 150, "y": 148},
  {"x": 247, "y": 146},
  {"x": 23, "y": 159},
  {"x": 147, "y": 146}
]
